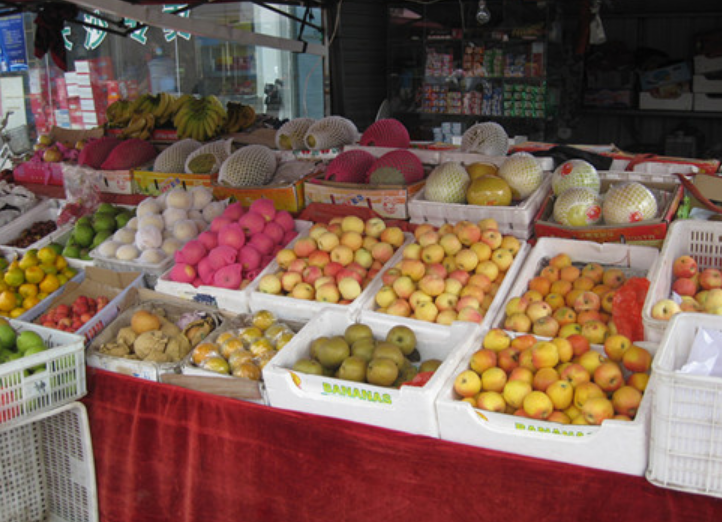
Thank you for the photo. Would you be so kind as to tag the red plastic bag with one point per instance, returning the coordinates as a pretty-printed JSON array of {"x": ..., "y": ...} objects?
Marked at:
[{"x": 627, "y": 308}]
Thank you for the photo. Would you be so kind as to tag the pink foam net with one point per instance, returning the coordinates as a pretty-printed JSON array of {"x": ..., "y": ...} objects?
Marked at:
[
  {"x": 404, "y": 161},
  {"x": 350, "y": 166},
  {"x": 386, "y": 133}
]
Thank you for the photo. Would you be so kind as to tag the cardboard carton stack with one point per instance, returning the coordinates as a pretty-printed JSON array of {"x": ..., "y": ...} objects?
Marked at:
[
  {"x": 666, "y": 88},
  {"x": 707, "y": 79}
]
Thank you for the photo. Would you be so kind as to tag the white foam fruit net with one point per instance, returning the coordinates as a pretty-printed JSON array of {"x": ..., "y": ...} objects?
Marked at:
[
  {"x": 252, "y": 165},
  {"x": 290, "y": 136},
  {"x": 447, "y": 183},
  {"x": 173, "y": 159},
  {"x": 221, "y": 149},
  {"x": 331, "y": 132},
  {"x": 628, "y": 202},
  {"x": 488, "y": 138}
]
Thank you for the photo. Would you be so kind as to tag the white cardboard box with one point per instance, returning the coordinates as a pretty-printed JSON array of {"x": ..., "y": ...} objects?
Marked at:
[
  {"x": 409, "y": 408},
  {"x": 700, "y": 83},
  {"x": 615, "y": 445},
  {"x": 707, "y": 102},
  {"x": 683, "y": 103},
  {"x": 704, "y": 64}
]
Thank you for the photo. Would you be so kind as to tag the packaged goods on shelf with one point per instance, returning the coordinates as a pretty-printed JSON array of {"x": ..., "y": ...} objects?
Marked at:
[{"x": 408, "y": 408}]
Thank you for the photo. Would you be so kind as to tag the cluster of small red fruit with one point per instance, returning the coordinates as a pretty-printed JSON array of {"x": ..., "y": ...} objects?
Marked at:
[
  {"x": 70, "y": 318},
  {"x": 699, "y": 291}
]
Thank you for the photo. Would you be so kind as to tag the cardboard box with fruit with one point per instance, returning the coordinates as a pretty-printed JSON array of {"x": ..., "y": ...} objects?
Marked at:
[
  {"x": 688, "y": 277},
  {"x": 152, "y": 334},
  {"x": 459, "y": 272},
  {"x": 560, "y": 399},
  {"x": 508, "y": 189},
  {"x": 570, "y": 287},
  {"x": 221, "y": 267},
  {"x": 608, "y": 206},
  {"x": 85, "y": 308},
  {"x": 40, "y": 369},
  {"x": 333, "y": 265},
  {"x": 374, "y": 371}
]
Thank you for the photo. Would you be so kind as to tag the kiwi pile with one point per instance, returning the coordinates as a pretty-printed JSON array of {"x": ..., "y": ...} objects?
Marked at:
[{"x": 360, "y": 357}]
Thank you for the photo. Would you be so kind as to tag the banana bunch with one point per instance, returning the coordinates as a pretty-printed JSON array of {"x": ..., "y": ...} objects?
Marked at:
[
  {"x": 240, "y": 117},
  {"x": 141, "y": 126},
  {"x": 118, "y": 113},
  {"x": 200, "y": 118},
  {"x": 159, "y": 105}
]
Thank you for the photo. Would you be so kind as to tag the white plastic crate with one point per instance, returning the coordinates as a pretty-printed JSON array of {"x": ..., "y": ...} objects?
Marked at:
[
  {"x": 152, "y": 271},
  {"x": 46, "y": 211},
  {"x": 700, "y": 239},
  {"x": 223, "y": 298},
  {"x": 24, "y": 395},
  {"x": 147, "y": 370},
  {"x": 516, "y": 220},
  {"x": 615, "y": 445},
  {"x": 685, "y": 444},
  {"x": 634, "y": 260},
  {"x": 369, "y": 307},
  {"x": 427, "y": 156},
  {"x": 301, "y": 310},
  {"x": 409, "y": 408},
  {"x": 48, "y": 471},
  {"x": 467, "y": 158}
]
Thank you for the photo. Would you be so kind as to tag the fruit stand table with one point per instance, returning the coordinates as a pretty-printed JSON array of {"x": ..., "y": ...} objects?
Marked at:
[{"x": 168, "y": 453}]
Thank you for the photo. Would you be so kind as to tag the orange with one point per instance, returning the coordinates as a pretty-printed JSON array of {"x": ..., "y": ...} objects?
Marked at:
[
  {"x": 41, "y": 295},
  {"x": 30, "y": 301},
  {"x": 8, "y": 301},
  {"x": 28, "y": 290},
  {"x": 47, "y": 255},
  {"x": 61, "y": 263},
  {"x": 48, "y": 269},
  {"x": 14, "y": 277},
  {"x": 69, "y": 272},
  {"x": 17, "y": 312},
  {"x": 203, "y": 351},
  {"x": 50, "y": 284},
  {"x": 62, "y": 279},
  {"x": 34, "y": 274}
]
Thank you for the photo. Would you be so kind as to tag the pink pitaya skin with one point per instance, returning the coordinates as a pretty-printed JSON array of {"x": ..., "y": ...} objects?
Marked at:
[
  {"x": 232, "y": 235},
  {"x": 209, "y": 239},
  {"x": 262, "y": 242},
  {"x": 197, "y": 282},
  {"x": 264, "y": 207},
  {"x": 218, "y": 223},
  {"x": 252, "y": 222},
  {"x": 274, "y": 231},
  {"x": 285, "y": 219},
  {"x": 222, "y": 255},
  {"x": 182, "y": 273},
  {"x": 234, "y": 211},
  {"x": 249, "y": 257},
  {"x": 289, "y": 236},
  {"x": 229, "y": 277},
  {"x": 193, "y": 251},
  {"x": 250, "y": 275},
  {"x": 206, "y": 271}
]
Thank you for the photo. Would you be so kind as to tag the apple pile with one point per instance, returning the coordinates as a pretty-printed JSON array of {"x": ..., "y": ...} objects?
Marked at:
[
  {"x": 334, "y": 262},
  {"x": 448, "y": 274},
  {"x": 360, "y": 357},
  {"x": 236, "y": 247},
  {"x": 564, "y": 299},
  {"x": 697, "y": 291},
  {"x": 71, "y": 318},
  {"x": 560, "y": 380}
]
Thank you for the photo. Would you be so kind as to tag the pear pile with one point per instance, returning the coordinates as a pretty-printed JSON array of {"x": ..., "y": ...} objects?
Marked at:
[{"x": 360, "y": 357}]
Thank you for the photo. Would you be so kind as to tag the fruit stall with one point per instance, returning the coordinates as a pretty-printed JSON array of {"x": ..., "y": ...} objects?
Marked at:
[{"x": 248, "y": 319}]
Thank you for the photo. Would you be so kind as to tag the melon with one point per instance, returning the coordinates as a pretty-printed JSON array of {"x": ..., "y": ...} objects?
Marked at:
[
  {"x": 350, "y": 166},
  {"x": 397, "y": 167},
  {"x": 387, "y": 132},
  {"x": 173, "y": 159},
  {"x": 575, "y": 173},
  {"x": 486, "y": 138},
  {"x": 447, "y": 183},
  {"x": 523, "y": 174},
  {"x": 130, "y": 154},
  {"x": 292, "y": 133},
  {"x": 208, "y": 158},
  {"x": 578, "y": 207},
  {"x": 252, "y": 165},
  {"x": 330, "y": 132},
  {"x": 628, "y": 203}
]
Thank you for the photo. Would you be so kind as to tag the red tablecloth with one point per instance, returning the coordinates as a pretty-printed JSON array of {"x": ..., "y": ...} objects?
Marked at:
[{"x": 164, "y": 453}]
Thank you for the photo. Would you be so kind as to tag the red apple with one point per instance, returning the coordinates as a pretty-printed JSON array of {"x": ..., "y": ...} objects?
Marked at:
[{"x": 684, "y": 266}]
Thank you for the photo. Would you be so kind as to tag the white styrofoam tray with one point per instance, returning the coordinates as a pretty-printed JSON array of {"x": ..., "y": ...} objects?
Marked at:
[
  {"x": 634, "y": 259},
  {"x": 516, "y": 220},
  {"x": 300, "y": 310},
  {"x": 408, "y": 408},
  {"x": 700, "y": 239},
  {"x": 615, "y": 445},
  {"x": 685, "y": 443},
  {"x": 223, "y": 298},
  {"x": 369, "y": 307},
  {"x": 46, "y": 211},
  {"x": 23, "y": 394}
]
